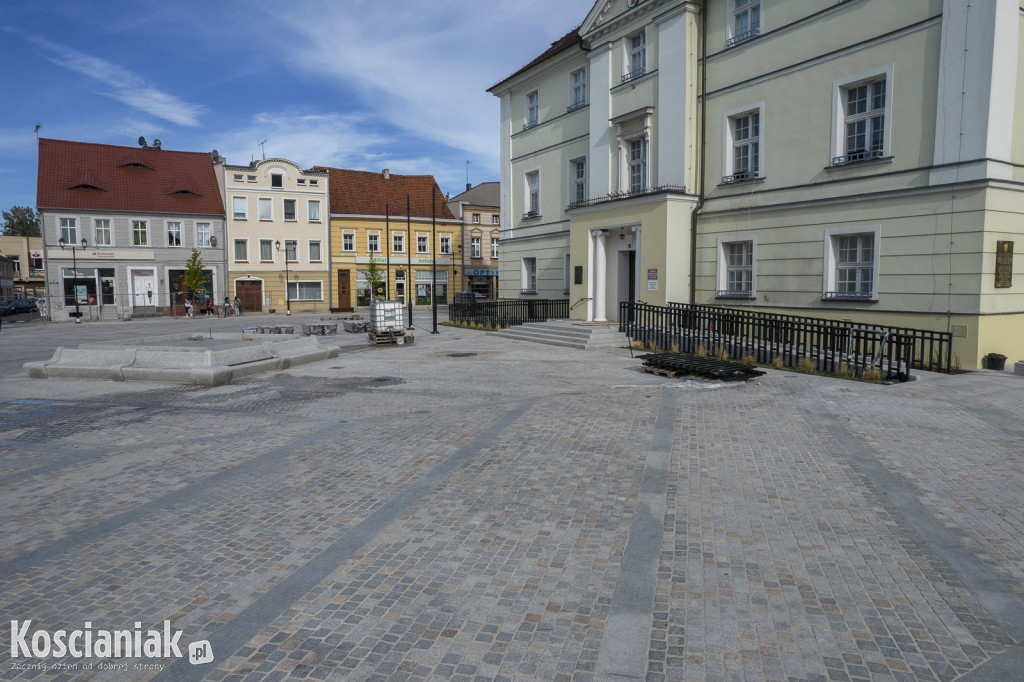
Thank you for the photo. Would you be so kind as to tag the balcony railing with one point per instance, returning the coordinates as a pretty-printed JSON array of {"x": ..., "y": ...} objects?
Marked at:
[
  {"x": 728, "y": 293},
  {"x": 847, "y": 296},
  {"x": 530, "y": 215},
  {"x": 574, "y": 106},
  {"x": 738, "y": 177},
  {"x": 619, "y": 196},
  {"x": 855, "y": 157},
  {"x": 634, "y": 74},
  {"x": 749, "y": 34}
]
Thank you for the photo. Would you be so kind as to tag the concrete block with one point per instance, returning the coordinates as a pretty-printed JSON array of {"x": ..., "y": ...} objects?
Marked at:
[{"x": 1018, "y": 368}]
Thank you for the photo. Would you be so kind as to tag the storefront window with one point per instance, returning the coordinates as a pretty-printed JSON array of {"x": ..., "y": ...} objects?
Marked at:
[
  {"x": 425, "y": 284},
  {"x": 82, "y": 286}
]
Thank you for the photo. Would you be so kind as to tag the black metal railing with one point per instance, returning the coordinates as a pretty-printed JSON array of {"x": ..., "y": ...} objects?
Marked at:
[
  {"x": 509, "y": 312},
  {"x": 767, "y": 336}
]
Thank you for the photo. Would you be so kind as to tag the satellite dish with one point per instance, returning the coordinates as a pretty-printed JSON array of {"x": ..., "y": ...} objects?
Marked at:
[
  {"x": 156, "y": 144},
  {"x": 142, "y": 141}
]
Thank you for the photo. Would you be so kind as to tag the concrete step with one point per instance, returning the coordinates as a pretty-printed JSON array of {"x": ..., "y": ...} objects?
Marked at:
[{"x": 567, "y": 334}]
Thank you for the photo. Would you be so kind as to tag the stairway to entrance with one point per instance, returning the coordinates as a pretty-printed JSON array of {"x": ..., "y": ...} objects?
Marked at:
[{"x": 571, "y": 334}]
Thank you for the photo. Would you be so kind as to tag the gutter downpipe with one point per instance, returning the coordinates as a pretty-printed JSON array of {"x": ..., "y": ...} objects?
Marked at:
[{"x": 700, "y": 151}]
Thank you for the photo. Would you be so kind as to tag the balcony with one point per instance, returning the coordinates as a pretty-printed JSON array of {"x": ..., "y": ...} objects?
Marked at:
[
  {"x": 634, "y": 74},
  {"x": 847, "y": 296},
  {"x": 738, "y": 177},
  {"x": 749, "y": 34},
  {"x": 620, "y": 196}
]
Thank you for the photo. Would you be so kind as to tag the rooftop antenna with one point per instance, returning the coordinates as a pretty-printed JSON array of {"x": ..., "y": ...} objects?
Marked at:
[
  {"x": 468, "y": 186},
  {"x": 263, "y": 150},
  {"x": 37, "y": 130}
]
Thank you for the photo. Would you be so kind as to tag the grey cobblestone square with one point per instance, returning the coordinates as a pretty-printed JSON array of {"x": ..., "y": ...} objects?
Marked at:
[{"x": 526, "y": 512}]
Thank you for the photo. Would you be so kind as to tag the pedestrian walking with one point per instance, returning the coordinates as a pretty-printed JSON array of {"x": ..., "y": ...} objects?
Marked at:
[
  {"x": 188, "y": 309},
  {"x": 227, "y": 307},
  {"x": 238, "y": 306}
]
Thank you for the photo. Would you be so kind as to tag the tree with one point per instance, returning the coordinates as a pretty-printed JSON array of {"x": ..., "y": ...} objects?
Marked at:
[
  {"x": 377, "y": 279},
  {"x": 195, "y": 278},
  {"x": 21, "y": 221}
]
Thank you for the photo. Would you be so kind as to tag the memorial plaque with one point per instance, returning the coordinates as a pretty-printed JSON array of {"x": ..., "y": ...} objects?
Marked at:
[
  {"x": 578, "y": 272},
  {"x": 1004, "y": 264}
]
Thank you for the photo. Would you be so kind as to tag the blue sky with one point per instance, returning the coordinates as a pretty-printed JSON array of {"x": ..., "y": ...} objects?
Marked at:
[{"x": 347, "y": 83}]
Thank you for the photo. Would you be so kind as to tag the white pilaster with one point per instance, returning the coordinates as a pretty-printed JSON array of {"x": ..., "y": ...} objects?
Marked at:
[
  {"x": 976, "y": 89},
  {"x": 600, "y": 268},
  {"x": 600, "y": 111},
  {"x": 671, "y": 108}
]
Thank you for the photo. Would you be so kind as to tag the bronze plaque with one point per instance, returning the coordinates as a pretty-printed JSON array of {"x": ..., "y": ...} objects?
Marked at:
[{"x": 1004, "y": 265}]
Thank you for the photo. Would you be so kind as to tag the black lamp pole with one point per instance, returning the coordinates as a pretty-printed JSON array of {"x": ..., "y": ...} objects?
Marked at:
[
  {"x": 433, "y": 285},
  {"x": 287, "y": 297},
  {"x": 410, "y": 281},
  {"x": 74, "y": 270}
]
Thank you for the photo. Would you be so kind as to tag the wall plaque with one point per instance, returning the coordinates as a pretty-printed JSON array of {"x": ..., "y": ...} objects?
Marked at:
[{"x": 1004, "y": 265}]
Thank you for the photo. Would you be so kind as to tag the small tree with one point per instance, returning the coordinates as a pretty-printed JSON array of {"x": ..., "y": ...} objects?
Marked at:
[
  {"x": 377, "y": 279},
  {"x": 195, "y": 278},
  {"x": 21, "y": 221}
]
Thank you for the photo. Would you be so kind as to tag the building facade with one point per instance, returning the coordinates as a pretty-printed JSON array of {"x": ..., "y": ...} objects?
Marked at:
[
  {"x": 278, "y": 228},
  {"x": 479, "y": 209},
  {"x": 598, "y": 149},
  {"x": 858, "y": 160},
  {"x": 26, "y": 255},
  {"x": 119, "y": 223},
  {"x": 401, "y": 225}
]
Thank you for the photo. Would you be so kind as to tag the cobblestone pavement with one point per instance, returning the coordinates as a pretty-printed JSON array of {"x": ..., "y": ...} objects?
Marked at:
[{"x": 477, "y": 508}]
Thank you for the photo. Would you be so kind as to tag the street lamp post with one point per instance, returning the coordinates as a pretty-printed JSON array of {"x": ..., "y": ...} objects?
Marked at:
[
  {"x": 74, "y": 269},
  {"x": 287, "y": 297}
]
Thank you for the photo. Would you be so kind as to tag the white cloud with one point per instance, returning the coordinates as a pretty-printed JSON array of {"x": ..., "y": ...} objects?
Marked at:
[
  {"x": 426, "y": 68},
  {"x": 128, "y": 87}
]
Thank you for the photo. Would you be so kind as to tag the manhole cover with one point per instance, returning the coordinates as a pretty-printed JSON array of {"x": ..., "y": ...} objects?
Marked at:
[{"x": 461, "y": 355}]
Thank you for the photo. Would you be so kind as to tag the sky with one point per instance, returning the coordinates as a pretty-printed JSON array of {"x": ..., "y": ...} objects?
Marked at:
[{"x": 345, "y": 83}]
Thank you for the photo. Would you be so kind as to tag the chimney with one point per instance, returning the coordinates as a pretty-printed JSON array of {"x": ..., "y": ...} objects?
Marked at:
[
  {"x": 468, "y": 186},
  {"x": 386, "y": 173}
]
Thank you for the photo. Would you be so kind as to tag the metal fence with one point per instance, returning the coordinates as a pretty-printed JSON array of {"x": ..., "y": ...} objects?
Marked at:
[
  {"x": 766, "y": 336},
  {"x": 509, "y": 312}
]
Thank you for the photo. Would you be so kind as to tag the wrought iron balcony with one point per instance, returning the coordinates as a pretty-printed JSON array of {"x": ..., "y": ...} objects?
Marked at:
[
  {"x": 847, "y": 296},
  {"x": 749, "y": 34},
  {"x": 634, "y": 74},
  {"x": 738, "y": 177},
  {"x": 856, "y": 157}
]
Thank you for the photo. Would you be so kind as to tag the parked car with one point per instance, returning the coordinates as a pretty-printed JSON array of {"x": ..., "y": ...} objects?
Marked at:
[{"x": 18, "y": 306}]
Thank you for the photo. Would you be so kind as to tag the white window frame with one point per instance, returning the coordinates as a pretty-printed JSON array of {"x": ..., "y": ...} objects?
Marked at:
[
  {"x": 348, "y": 241},
  {"x": 722, "y": 288},
  {"x": 840, "y": 88},
  {"x": 494, "y": 247},
  {"x": 445, "y": 247},
  {"x": 234, "y": 252},
  {"x": 370, "y": 238},
  {"x": 634, "y": 55},
  {"x": 295, "y": 210},
  {"x": 235, "y": 213},
  {"x": 109, "y": 229},
  {"x": 291, "y": 245},
  {"x": 474, "y": 245},
  {"x": 531, "y": 194},
  {"x": 270, "y": 248},
  {"x": 143, "y": 243},
  {"x": 319, "y": 256},
  {"x": 830, "y": 279},
  {"x": 531, "y": 111},
  {"x": 422, "y": 242},
  {"x": 296, "y": 282},
  {"x": 201, "y": 240},
  {"x": 269, "y": 203},
  {"x": 577, "y": 89},
  {"x": 313, "y": 210},
  {"x": 528, "y": 274},
  {"x": 277, "y": 180},
  {"x": 643, "y": 163},
  {"x": 168, "y": 231},
  {"x": 738, "y": 9},
  {"x": 495, "y": 219},
  {"x": 398, "y": 242},
  {"x": 476, "y": 218},
  {"x": 730, "y": 143},
  {"x": 66, "y": 226},
  {"x": 578, "y": 181}
]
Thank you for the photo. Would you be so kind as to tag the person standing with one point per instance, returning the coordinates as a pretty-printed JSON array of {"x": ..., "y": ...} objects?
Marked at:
[
  {"x": 188, "y": 309},
  {"x": 238, "y": 306}
]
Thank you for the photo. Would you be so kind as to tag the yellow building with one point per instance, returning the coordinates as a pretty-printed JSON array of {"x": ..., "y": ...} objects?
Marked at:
[
  {"x": 401, "y": 224},
  {"x": 278, "y": 236},
  {"x": 26, "y": 253}
]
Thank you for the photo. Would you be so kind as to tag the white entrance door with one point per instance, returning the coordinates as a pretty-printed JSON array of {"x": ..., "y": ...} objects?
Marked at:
[{"x": 143, "y": 288}]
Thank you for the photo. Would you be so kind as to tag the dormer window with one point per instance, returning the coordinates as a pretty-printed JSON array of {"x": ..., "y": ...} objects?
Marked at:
[{"x": 276, "y": 180}]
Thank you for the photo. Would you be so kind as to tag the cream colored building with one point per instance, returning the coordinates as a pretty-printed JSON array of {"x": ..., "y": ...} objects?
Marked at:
[
  {"x": 597, "y": 161},
  {"x": 278, "y": 247},
  {"x": 855, "y": 164},
  {"x": 479, "y": 210}
]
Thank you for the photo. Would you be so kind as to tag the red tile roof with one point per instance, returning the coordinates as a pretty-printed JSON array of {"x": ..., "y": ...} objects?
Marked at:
[
  {"x": 366, "y": 193},
  {"x": 565, "y": 42},
  {"x": 102, "y": 177}
]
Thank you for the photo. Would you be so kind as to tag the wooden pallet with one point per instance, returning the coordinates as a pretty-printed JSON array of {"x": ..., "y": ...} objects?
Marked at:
[
  {"x": 661, "y": 372},
  {"x": 386, "y": 339}
]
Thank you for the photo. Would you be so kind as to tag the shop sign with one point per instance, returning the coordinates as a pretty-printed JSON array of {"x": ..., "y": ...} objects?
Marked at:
[
  {"x": 652, "y": 279},
  {"x": 484, "y": 273}
]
